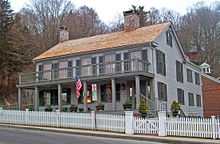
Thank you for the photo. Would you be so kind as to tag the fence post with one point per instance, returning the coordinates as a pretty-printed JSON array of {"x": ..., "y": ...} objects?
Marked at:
[
  {"x": 162, "y": 123},
  {"x": 93, "y": 116},
  {"x": 213, "y": 127},
  {"x": 26, "y": 116},
  {"x": 129, "y": 122},
  {"x": 58, "y": 117}
]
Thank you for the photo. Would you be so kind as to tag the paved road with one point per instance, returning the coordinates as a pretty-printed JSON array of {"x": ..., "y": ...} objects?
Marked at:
[{"x": 21, "y": 136}]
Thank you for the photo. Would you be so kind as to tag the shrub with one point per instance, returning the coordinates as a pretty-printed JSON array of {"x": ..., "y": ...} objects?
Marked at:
[{"x": 175, "y": 108}]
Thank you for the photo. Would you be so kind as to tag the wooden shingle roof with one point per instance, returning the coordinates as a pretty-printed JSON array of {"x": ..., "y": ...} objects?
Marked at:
[{"x": 105, "y": 41}]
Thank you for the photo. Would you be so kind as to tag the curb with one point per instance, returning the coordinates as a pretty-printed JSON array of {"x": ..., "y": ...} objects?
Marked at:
[{"x": 172, "y": 140}]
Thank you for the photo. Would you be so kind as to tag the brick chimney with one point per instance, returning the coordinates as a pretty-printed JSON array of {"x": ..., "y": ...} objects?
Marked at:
[
  {"x": 131, "y": 20},
  {"x": 63, "y": 34}
]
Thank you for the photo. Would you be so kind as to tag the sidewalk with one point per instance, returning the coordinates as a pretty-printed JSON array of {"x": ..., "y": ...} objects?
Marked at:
[{"x": 177, "y": 140}]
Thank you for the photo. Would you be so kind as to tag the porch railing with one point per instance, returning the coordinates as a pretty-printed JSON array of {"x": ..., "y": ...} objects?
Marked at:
[{"x": 90, "y": 70}]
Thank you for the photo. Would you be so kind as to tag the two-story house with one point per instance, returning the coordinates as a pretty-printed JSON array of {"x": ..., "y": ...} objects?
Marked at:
[{"x": 137, "y": 63}]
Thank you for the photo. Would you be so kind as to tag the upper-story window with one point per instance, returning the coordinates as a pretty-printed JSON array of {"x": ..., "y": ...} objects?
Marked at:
[
  {"x": 169, "y": 38},
  {"x": 70, "y": 69},
  {"x": 55, "y": 70},
  {"x": 78, "y": 68},
  {"x": 179, "y": 71},
  {"x": 189, "y": 75},
  {"x": 94, "y": 66},
  {"x": 118, "y": 62},
  {"x": 101, "y": 64},
  {"x": 127, "y": 61},
  {"x": 161, "y": 63},
  {"x": 180, "y": 95},
  {"x": 40, "y": 71},
  {"x": 162, "y": 91},
  {"x": 197, "y": 78}
]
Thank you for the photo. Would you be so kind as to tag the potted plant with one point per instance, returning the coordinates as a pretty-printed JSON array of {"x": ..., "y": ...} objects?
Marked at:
[
  {"x": 73, "y": 108},
  {"x": 143, "y": 108},
  {"x": 30, "y": 107},
  {"x": 100, "y": 107},
  {"x": 128, "y": 104},
  {"x": 175, "y": 108},
  {"x": 48, "y": 109}
]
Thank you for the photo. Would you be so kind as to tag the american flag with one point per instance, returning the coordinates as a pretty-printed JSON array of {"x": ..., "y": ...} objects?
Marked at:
[{"x": 78, "y": 87}]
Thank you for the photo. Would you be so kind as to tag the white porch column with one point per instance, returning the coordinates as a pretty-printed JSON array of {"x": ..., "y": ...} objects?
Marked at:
[
  {"x": 59, "y": 97},
  {"x": 36, "y": 98},
  {"x": 19, "y": 99},
  {"x": 73, "y": 97},
  {"x": 85, "y": 95},
  {"x": 113, "y": 95},
  {"x": 138, "y": 93}
]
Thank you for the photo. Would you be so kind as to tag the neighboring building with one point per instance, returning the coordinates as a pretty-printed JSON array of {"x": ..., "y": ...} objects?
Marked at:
[
  {"x": 136, "y": 63},
  {"x": 211, "y": 96}
]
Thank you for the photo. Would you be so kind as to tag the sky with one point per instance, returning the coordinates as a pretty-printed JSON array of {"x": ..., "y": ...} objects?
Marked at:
[{"x": 108, "y": 10}]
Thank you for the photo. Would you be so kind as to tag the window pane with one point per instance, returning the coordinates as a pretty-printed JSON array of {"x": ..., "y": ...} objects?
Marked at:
[
  {"x": 191, "y": 99},
  {"x": 161, "y": 64},
  {"x": 198, "y": 100},
  {"x": 180, "y": 95},
  {"x": 169, "y": 38},
  {"x": 189, "y": 75},
  {"x": 78, "y": 70},
  {"x": 179, "y": 71},
  {"x": 118, "y": 62},
  {"x": 162, "y": 91},
  {"x": 94, "y": 66},
  {"x": 101, "y": 64},
  {"x": 197, "y": 78},
  {"x": 127, "y": 62}
]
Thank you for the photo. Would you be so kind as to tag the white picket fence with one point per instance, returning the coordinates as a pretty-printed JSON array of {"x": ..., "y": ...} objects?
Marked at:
[
  {"x": 124, "y": 123},
  {"x": 193, "y": 127},
  {"x": 146, "y": 126},
  {"x": 107, "y": 122}
]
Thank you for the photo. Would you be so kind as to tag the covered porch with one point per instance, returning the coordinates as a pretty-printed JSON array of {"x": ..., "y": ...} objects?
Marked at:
[{"x": 112, "y": 93}]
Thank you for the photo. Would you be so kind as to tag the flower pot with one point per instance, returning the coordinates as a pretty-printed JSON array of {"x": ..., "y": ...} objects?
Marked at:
[
  {"x": 73, "y": 108},
  {"x": 175, "y": 113},
  {"x": 100, "y": 107},
  {"x": 127, "y": 106}
]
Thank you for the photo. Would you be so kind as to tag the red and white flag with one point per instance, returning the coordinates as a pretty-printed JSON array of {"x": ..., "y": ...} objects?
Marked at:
[{"x": 78, "y": 87}]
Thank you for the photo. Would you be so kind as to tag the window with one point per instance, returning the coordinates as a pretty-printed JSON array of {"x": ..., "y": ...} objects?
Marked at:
[
  {"x": 106, "y": 95},
  {"x": 145, "y": 60},
  {"x": 161, "y": 64},
  {"x": 189, "y": 75},
  {"x": 179, "y": 71},
  {"x": 101, "y": 64},
  {"x": 198, "y": 100},
  {"x": 78, "y": 70},
  {"x": 70, "y": 69},
  {"x": 180, "y": 95},
  {"x": 127, "y": 61},
  {"x": 94, "y": 67},
  {"x": 191, "y": 99},
  {"x": 118, "y": 62},
  {"x": 55, "y": 69},
  {"x": 162, "y": 91},
  {"x": 169, "y": 38},
  {"x": 40, "y": 72},
  {"x": 66, "y": 96},
  {"x": 197, "y": 78}
]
